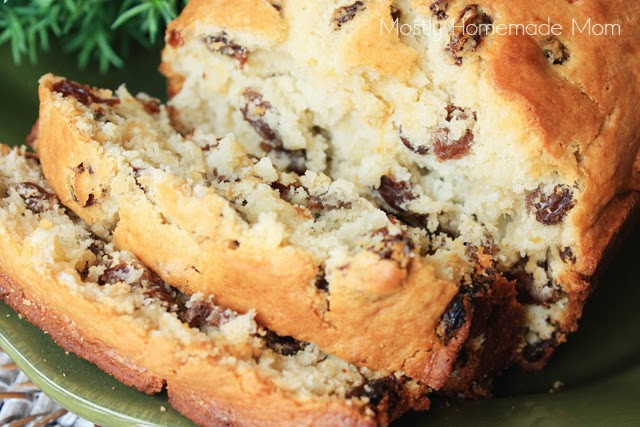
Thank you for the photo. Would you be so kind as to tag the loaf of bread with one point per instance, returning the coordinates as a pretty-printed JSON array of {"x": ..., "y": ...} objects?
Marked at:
[
  {"x": 218, "y": 366},
  {"x": 313, "y": 258},
  {"x": 523, "y": 145}
]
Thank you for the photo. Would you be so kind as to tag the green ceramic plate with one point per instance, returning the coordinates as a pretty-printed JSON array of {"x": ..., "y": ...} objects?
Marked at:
[{"x": 599, "y": 367}]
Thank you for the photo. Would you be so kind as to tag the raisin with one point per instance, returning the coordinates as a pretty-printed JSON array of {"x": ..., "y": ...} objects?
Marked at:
[
  {"x": 316, "y": 204},
  {"x": 419, "y": 149},
  {"x": 567, "y": 256},
  {"x": 394, "y": 247},
  {"x": 376, "y": 390},
  {"x": 220, "y": 43},
  {"x": 470, "y": 29},
  {"x": 197, "y": 313},
  {"x": 455, "y": 112},
  {"x": 151, "y": 106},
  {"x": 253, "y": 112},
  {"x": 320, "y": 203},
  {"x": 445, "y": 149},
  {"x": 286, "y": 346},
  {"x": 396, "y": 14},
  {"x": 91, "y": 199},
  {"x": 200, "y": 314},
  {"x": 276, "y": 5},
  {"x": 297, "y": 160},
  {"x": 439, "y": 9},
  {"x": 534, "y": 352},
  {"x": 82, "y": 93},
  {"x": 346, "y": 13},
  {"x": 285, "y": 190},
  {"x": 396, "y": 194},
  {"x": 209, "y": 147},
  {"x": 115, "y": 274},
  {"x": 151, "y": 284},
  {"x": 33, "y": 135},
  {"x": 175, "y": 38},
  {"x": 96, "y": 247},
  {"x": 321, "y": 280},
  {"x": 454, "y": 318},
  {"x": 155, "y": 287},
  {"x": 550, "y": 209},
  {"x": 556, "y": 52},
  {"x": 36, "y": 198}
]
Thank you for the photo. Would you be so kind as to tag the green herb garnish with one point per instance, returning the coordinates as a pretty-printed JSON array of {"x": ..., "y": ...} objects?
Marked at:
[{"x": 96, "y": 30}]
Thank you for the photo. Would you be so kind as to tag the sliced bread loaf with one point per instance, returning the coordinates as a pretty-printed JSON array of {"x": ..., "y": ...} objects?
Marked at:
[{"x": 219, "y": 367}]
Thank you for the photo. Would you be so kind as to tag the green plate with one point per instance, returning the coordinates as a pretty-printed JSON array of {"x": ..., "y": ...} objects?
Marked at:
[
  {"x": 77, "y": 384},
  {"x": 599, "y": 366}
]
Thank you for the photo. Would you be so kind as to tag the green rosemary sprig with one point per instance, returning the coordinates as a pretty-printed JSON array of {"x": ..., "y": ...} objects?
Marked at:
[{"x": 103, "y": 31}]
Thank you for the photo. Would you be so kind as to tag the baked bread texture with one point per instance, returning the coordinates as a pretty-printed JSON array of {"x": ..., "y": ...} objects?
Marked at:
[
  {"x": 525, "y": 146},
  {"x": 313, "y": 258},
  {"x": 219, "y": 367}
]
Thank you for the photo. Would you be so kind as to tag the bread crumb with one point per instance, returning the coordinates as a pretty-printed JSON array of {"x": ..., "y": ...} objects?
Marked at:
[{"x": 557, "y": 386}]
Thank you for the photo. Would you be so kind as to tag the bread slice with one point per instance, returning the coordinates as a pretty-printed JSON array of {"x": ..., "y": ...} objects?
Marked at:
[
  {"x": 313, "y": 258},
  {"x": 522, "y": 144},
  {"x": 219, "y": 367}
]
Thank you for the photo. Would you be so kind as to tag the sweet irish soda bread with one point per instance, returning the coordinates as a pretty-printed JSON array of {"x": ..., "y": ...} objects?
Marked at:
[
  {"x": 314, "y": 259},
  {"x": 521, "y": 145},
  {"x": 219, "y": 366}
]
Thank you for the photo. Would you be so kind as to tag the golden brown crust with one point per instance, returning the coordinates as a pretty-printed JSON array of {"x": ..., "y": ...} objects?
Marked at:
[
  {"x": 260, "y": 19},
  {"x": 372, "y": 299},
  {"x": 67, "y": 335},
  {"x": 211, "y": 413},
  {"x": 585, "y": 110},
  {"x": 192, "y": 384},
  {"x": 364, "y": 44},
  {"x": 214, "y": 405}
]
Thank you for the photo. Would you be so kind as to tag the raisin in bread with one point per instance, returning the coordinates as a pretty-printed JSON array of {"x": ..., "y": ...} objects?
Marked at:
[
  {"x": 313, "y": 258},
  {"x": 522, "y": 145},
  {"x": 219, "y": 366}
]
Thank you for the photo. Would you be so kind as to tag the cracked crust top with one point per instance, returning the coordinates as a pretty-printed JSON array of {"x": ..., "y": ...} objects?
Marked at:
[{"x": 581, "y": 115}]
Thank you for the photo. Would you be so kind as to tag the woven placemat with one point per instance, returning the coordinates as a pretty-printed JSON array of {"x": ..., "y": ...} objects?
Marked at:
[{"x": 23, "y": 404}]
